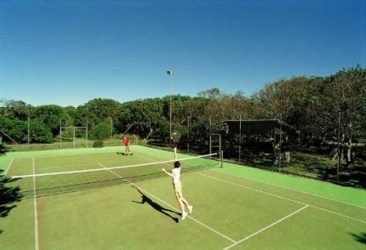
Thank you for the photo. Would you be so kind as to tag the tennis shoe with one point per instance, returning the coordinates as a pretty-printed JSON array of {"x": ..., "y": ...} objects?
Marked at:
[
  {"x": 190, "y": 209},
  {"x": 184, "y": 215}
]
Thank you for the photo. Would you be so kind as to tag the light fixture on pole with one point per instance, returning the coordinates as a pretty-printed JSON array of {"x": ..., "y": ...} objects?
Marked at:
[{"x": 170, "y": 74}]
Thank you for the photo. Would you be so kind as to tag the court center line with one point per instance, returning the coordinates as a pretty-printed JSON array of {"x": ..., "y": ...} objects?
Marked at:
[
  {"x": 166, "y": 203},
  {"x": 36, "y": 236},
  {"x": 267, "y": 227},
  {"x": 303, "y": 192},
  {"x": 284, "y": 198}
]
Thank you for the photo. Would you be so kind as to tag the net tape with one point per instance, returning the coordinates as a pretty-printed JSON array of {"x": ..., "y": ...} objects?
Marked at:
[
  {"x": 80, "y": 180},
  {"x": 108, "y": 168}
]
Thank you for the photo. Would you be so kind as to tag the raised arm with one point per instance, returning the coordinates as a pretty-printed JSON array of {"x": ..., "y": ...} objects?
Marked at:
[{"x": 166, "y": 172}]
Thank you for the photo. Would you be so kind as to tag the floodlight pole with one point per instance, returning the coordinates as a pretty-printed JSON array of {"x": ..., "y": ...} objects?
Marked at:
[
  {"x": 188, "y": 134},
  {"x": 170, "y": 74},
  {"x": 339, "y": 144}
]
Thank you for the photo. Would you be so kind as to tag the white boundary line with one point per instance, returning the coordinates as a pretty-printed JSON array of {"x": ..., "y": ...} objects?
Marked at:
[
  {"x": 106, "y": 168},
  {"x": 36, "y": 237},
  {"x": 235, "y": 243},
  {"x": 303, "y": 192},
  {"x": 267, "y": 227},
  {"x": 278, "y": 196},
  {"x": 252, "y": 189},
  {"x": 339, "y": 214},
  {"x": 7, "y": 169},
  {"x": 284, "y": 198},
  {"x": 197, "y": 221}
]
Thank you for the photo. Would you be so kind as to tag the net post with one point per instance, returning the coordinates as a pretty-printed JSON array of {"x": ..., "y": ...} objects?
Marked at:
[{"x": 221, "y": 158}]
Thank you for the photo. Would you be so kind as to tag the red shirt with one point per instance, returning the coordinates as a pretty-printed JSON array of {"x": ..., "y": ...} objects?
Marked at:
[{"x": 126, "y": 141}]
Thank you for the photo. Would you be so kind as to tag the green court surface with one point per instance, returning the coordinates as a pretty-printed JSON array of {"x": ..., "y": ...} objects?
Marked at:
[{"x": 128, "y": 203}]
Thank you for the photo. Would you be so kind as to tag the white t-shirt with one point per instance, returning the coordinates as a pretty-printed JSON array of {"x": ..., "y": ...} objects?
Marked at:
[{"x": 176, "y": 175}]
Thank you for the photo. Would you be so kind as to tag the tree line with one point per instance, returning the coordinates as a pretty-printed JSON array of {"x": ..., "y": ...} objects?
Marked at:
[{"x": 321, "y": 108}]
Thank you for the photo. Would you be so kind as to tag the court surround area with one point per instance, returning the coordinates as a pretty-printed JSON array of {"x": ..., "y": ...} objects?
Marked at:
[{"x": 129, "y": 203}]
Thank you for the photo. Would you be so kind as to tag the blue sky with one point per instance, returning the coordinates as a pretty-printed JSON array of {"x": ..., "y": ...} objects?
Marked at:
[{"x": 70, "y": 52}]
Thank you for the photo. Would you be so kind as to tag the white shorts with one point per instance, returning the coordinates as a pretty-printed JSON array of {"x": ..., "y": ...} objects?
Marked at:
[{"x": 178, "y": 188}]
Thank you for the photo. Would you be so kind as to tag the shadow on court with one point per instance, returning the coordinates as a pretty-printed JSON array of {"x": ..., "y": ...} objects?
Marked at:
[
  {"x": 361, "y": 237},
  {"x": 157, "y": 207},
  {"x": 125, "y": 154},
  {"x": 8, "y": 196}
]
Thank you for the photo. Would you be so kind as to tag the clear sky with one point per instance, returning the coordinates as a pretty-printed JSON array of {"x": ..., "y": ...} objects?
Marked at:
[{"x": 69, "y": 52}]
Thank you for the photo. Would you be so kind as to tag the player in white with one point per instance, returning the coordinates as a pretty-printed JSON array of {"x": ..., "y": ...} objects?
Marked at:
[{"x": 177, "y": 184}]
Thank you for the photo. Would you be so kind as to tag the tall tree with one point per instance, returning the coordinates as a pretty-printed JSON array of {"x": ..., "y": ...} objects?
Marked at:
[
  {"x": 98, "y": 110},
  {"x": 51, "y": 116},
  {"x": 15, "y": 109},
  {"x": 345, "y": 106}
]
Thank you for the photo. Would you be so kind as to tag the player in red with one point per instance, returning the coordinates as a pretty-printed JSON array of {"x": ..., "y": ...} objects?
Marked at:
[{"x": 126, "y": 143}]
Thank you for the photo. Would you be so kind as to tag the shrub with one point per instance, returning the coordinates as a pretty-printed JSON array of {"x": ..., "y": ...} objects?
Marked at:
[{"x": 98, "y": 144}]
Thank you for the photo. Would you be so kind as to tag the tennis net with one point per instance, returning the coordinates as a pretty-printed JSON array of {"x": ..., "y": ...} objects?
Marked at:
[{"x": 52, "y": 183}]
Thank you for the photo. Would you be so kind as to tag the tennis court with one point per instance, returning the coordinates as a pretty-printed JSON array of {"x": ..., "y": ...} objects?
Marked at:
[{"x": 126, "y": 202}]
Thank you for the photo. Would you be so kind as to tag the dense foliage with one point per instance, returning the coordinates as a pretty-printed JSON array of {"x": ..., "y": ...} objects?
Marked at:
[
  {"x": 319, "y": 107},
  {"x": 324, "y": 110},
  {"x": 316, "y": 106}
]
